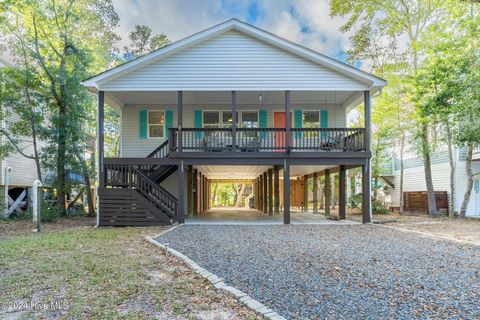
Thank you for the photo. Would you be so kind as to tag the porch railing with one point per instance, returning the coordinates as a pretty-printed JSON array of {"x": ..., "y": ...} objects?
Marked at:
[
  {"x": 267, "y": 139},
  {"x": 161, "y": 151},
  {"x": 134, "y": 177}
]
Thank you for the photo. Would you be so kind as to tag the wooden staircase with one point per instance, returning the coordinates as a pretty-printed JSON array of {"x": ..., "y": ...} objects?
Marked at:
[{"x": 133, "y": 195}]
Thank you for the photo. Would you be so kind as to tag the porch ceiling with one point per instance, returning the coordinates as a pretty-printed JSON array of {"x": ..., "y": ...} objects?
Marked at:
[
  {"x": 218, "y": 172},
  {"x": 232, "y": 172},
  {"x": 121, "y": 98}
]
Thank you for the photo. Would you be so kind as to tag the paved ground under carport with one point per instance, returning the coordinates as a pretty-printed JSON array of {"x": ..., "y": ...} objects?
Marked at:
[
  {"x": 339, "y": 271},
  {"x": 251, "y": 216}
]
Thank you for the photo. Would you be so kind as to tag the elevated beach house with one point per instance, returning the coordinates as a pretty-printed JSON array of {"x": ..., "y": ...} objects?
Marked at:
[{"x": 232, "y": 102}]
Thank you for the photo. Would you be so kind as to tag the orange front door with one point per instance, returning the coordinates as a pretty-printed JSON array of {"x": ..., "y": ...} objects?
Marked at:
[{"x": 279, "y": 121}]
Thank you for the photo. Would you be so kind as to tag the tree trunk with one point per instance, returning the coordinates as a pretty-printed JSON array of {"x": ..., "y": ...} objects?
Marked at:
[
  {"x": 432, "y": 205},
  {"x": 88, "y": 190},
  {"x": 353, "y": 183},
  {"x": 34, "y": 138},
  {"x": 238, "y": 201},
  {"x": 402, "y": 149},
  {"x": 468, "y": 191},
  {"x": 88, "y": 185},
  {"x": 451, "y": 211},
  {"x": 214, "y": 194},
  {"x": 247, "y": 201},
  {"x": 61, "y": 153},
  {"x": 35, "y": 151}
]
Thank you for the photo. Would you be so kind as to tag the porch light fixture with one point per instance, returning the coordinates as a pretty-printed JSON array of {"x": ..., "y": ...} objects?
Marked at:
[{"x": 260, "y": 98}]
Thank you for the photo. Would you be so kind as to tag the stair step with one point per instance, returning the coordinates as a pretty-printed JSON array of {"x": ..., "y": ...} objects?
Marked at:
[{"x": 152, "y": 192}]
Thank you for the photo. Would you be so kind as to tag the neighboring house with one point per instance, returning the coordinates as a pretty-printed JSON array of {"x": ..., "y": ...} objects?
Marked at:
[
  {"x": 414, "y": 179},
  {"x": 229, "y": 102},
  {"x": 16, "y": 171}
]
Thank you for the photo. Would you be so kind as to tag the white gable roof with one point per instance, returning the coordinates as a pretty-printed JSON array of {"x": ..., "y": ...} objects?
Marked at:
[{"x": 234, "y": 56}]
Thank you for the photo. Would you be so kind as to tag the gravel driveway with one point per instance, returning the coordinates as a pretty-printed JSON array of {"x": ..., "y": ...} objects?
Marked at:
[{"x": 339, "y": 272}]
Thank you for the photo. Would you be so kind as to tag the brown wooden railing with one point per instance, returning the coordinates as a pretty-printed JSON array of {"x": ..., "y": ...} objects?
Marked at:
[
  {"x": 328, "y": 139},
  {"x": 161, "y": 151},
  {"x": 154, "y": 193},
  {"x": 133, "y": 177},
  {"x": 267, "y": 139}
]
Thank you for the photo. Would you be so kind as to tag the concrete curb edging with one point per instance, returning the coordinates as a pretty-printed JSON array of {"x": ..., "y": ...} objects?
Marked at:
[
  {"x": 428, "y": 235},
  {"x": 166, "y": 231},
  {"x": 217, "y": 282}
]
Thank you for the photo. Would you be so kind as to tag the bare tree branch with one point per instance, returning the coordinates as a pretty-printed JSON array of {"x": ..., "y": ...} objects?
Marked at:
[{"x": 15, "y": 144}]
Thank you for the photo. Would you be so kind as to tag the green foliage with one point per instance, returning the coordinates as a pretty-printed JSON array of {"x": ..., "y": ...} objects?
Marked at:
[
  {"x": 112, "y": 133},
  {"x": 379, "y": 207},
  {"x": 142, "y": 42},
  {"x": 76, "y": 211},
  {"x": 226, "y": 195},
  {"x": 47, "y": 213},
  {"x": 433, "y": 94},
  {"x": 59, "y": 44},
  {"x": 355, "y": 201},
  {"x": 230, "y": 194}
]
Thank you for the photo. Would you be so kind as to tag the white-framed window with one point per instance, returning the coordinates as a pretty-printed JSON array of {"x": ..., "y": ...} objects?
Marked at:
[
  {"x": 249, "y": 119},
  {"x": 311, "y": 119},
  {"x": 224, "y": 119},
  {"x": 211, "y": 119},
  {"x": 227, "y": 119},
  {"x": 156, "y": 124}
]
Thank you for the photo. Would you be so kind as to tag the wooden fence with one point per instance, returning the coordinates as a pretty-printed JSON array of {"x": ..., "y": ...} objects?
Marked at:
[{"x": 416, "y": 202}]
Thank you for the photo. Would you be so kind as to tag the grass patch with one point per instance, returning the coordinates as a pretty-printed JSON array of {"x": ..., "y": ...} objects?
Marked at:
[{"x": 104, "y": 274}]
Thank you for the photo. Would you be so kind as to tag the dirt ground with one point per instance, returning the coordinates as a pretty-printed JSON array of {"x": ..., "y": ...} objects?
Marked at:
[
  {"x": 101, "y": 273},
  {"x": 464, "y": 229},
  {"x": 9, "y": 228}
]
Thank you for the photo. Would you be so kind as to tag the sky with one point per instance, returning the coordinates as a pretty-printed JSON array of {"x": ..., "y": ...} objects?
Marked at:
[{"x": 306, "y": 22}]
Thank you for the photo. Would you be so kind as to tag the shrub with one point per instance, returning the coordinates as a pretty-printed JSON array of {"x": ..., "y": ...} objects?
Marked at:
[
  {"x": 76, "y": 211},
  {"x": 378, "y": 207},
  {"x": 355, "y": 201},
  {"x": 48, "y": 213}
]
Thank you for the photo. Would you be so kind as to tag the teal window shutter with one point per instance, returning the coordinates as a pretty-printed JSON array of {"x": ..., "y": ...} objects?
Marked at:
[
  {"x": 262, "y": 118},
  {"x": 168, "y": 121},
  {"x": 324, "y": 121},
  {"x": 143, "y": 124},
  {"x": 262, "y": 121},
  {"x": 198, "y": 122},
  {"x": 298, "y": 122}
]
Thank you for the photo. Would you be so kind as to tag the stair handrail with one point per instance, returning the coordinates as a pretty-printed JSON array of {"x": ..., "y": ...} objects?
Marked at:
[
  {"x": 161, "y": 151},
  {"x": 156, "y": 194}
]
